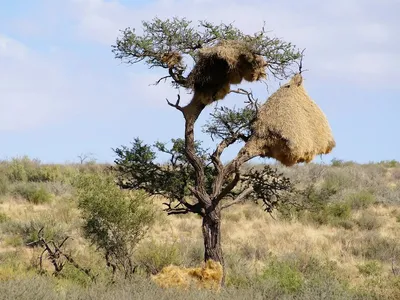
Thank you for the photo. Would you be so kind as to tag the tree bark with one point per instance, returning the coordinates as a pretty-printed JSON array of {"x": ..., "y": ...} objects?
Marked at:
[{"x": 212, "y": 238}]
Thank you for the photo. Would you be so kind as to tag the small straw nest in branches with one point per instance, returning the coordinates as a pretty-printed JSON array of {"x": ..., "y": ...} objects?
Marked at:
[
  {"x": 217, "y": 67},
  {"x": 290, "y": 127},
  {"x": 208, "y": 276},
  {"x": 172, "y": 59}
]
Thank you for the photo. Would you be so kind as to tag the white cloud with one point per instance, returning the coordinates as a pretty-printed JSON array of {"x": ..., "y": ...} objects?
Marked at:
[
  {"x": 346, "y": 41},
  {"x": 12, "y": 49},
  {"x": 39, "y": 89},
  {"x": 339, "y": 36}
]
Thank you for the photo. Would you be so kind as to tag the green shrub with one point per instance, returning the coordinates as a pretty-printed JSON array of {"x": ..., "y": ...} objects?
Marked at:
[
  {"x": 398, "y": 218},
  {"x": 390, "y": 163},
  {"x": 240, "y": 274},
  {"x": 337, "y": 214},
  {"x": 14, "y": 241},
  {"x": 374, "y": 246},
  {"x": 3, "y": 217},
  {"x": 341, "y": 163},
  {"x": 336, "y": 181},
  {"x": 154, "y": 256},
  {"x": 346, "y": 224},
  {"x": 17, "y": 170},
  {"x": 35, "y": 194},
  {"x": 28, "y": 230},
  {"x": 4, "y": 185},
  {"x": 115, "y": 220},
  {"x": 288, "y": 278},
  {"x": 361, "y": 200},
  {"x": 340, "y": 210},
  {"x": 368, "y": 221},
  {"x": 370, "y": 268}
]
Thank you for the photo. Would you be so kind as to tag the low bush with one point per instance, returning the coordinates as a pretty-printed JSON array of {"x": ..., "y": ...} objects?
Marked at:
[
  {"x": 368, "y": 221},
  {"x": 4, "y": 185},
  {"x": 28, "y": 230},
  {"x": 115, "y": 220},
  {"x": 153, "y": 256},
  {"x": 285, "y": 275},
  {"x": 34, "y": 193},
  {"x": 361, "y": 200},
  {"x": 373, "y": 246},
  {"x": 370, "y": 268}
]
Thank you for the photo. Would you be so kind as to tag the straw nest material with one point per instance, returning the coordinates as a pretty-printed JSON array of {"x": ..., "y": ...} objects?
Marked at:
[
  {"x": 290, "y": 127},
  {"x": 172, "y": 59},
  {"x": 209, "y": 276},
  {"x": 217, "y": 67}
]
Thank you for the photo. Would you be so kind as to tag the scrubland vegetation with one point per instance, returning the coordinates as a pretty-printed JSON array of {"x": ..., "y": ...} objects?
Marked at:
[{"x": 340, "y": 240}]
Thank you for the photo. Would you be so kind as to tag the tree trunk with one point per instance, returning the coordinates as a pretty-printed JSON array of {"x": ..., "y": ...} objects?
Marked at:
[{"x": 212, "y": 238}]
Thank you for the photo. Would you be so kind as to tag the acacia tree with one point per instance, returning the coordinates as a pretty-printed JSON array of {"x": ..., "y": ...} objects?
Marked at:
[{"x": 194, "y": 180}]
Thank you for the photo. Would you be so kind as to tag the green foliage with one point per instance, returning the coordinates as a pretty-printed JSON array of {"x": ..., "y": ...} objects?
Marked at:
[
  {"x": 161, "y": 37},
  {"x": 34, "y": 193},
  {"x": 390, "y": 163},
  {"x": 370, "y": 268},
  {"x": 17, "y": 169},
  {"x": 335, "y": 182},
  {"x": 340, "y": 210},
  {"x": 115, "y": 220},
  {"x": 368, "y": 221},
  {"x": 136, "y": 169},
  {"x": 361, "y": 200},
  {"x": 28, "y": 230},
  {"x": 226, "y": 120},
  {"x": 14, "y": 241},
  {"x": 373, "y": 246},
  {"x": 337, "y": 162},
  {"x": 4, "y": 184},
  {"x": 154, "y": 256},
  {"x": 336, "y": 213},
  {"x": 288, "y": 278},
  {"x": 3, "y": 217},
  {"x": 340, "y": 163}
]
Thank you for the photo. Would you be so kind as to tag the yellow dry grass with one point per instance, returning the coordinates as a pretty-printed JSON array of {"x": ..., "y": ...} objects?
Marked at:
[
  {"x": 208, "y": 276},
  {"x": 291, "y": 127}
]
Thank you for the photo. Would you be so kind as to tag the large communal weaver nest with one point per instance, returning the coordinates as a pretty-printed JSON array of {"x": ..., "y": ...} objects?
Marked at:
[
  {"x": 290, "y": 127},
  {"x": 217, "y": 67}
]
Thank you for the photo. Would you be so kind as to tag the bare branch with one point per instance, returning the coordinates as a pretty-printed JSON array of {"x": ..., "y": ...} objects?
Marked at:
[
  {"x": 177, "y": 77},
  {"x": 161, "y": 79},
  {"x": 176, "y": 105},
  {"x": 240, "y": 198},
  {"x": 54, "y": 255},
  {"x": 300, "y": 63}
]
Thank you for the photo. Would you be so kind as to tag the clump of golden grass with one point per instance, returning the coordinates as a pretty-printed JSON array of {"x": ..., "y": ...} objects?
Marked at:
[
  {"x": 291, "y": 127},
  {"x": 217, "y": 67},
  {"x": 209, "y": 276},
  {"x": 172, "y": 59}
]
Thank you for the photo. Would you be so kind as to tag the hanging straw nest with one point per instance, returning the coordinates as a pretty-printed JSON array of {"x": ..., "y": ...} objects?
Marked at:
[
  {"x": 217, "y": 67},
  {"x": 290, "y": 127}
]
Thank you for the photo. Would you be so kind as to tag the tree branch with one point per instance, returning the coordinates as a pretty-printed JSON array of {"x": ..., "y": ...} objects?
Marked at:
[
  {"x": 240, "y": 198},
  {"x": 177, "y": 77},
  {"x": 228, "y": 188},
  {"x": 176, "y": 105},
  {"x": 161, "y": 79},
  {"x": 191, "y": 112},
  {"x": 219, "y": 167}
]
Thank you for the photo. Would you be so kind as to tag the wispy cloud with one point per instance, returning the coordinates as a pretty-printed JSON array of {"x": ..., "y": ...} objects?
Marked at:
[
  {"x": 347, "y": 40},
  {"x": 57, "y": 65}
]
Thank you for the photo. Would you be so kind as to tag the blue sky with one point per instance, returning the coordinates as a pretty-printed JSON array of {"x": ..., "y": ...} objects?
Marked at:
[{"x": 62, "y": 93}]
